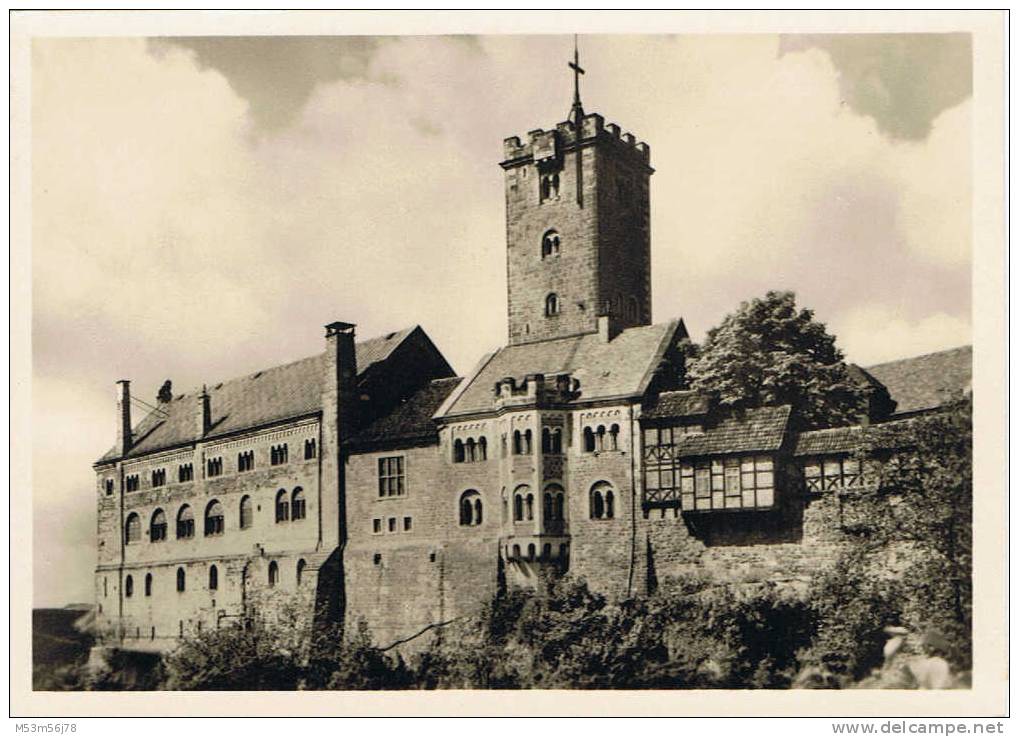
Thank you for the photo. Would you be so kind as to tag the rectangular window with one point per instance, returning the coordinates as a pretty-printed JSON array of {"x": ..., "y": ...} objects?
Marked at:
[
  {"x": 185, "y": 472},
  {"x": 823, "y": 474},
  {"x": 158, "y": 477},
  {"x": 309, "y": 449},
  {"x": 406, "y": 524},
  {"x": 109, "y": 486},
  {"x": 377, "y": 526},
  {"x": 391, "y": 476},
  {"x": 132, "y": 482},
  {"x": 278, "y": 454},
  {"x": 246, "y": 461},
  {"x": 214, "y": 467},
  {"x": 392, "y": 524},
  {"x": 706, "y": 484}
]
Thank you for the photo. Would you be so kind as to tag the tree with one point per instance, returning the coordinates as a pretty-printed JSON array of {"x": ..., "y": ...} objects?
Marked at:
[{"x": 768, "y": 352}]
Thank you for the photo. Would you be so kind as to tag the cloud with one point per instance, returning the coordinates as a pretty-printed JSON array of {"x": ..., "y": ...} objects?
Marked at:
[
  {"x": 874, "y": 334},
  {"x": 904, "y": 81}
]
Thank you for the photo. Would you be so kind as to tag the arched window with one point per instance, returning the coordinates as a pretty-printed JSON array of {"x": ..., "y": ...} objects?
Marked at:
[
  {"x": 529, "y": 505},
  {"x": 148, "y": 584},
  {"x": 213, "y": 578},
  {"x": 214, "y": 518},
  {"x": 482, "y": 448},
  {"x": 588, "y": 440},
  {"x": 157, "y": 526},
  {"x": 470, "y": 508},
  {"x": 520, "y": 497},
  {"x": 516, "y": 551},
  {"x": 554, "y": 502},
  {"x": 559, "y": 507},
  {"x": 128, "y": 587},
  {"x": 546, "y": 551},
  {"x": 274, "y": 573},
  {"x": 530, "y": 551},
  {"x": 282, "y": 506},
  {"x": 602, "y": 501},
  {"x": 527, "y": 442},
  {"x": 181, "y": 581},
  {"x": 133, "y": 528},
  {"x": 550, "y": 244},
  {"x": 471, "y": 450},
  {"x": 546, "y": 440},
  {"x": 614, "y": 437},
  {"x": 552, "y": 305},
  {"x": 297, "y": 507},
  {"x": 599, "y": 438},
  {"x": 458, "y": 451},
  {"x": 246, "y": 515},
  {"x": 518, "y": 447},
  {"x": 185, "y": 523},
  {"x": 301, "y": 564},
  {"x": 557, "y": 441}
]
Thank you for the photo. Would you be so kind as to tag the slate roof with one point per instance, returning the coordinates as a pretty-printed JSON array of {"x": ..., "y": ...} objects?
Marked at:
[
  {"x": 410, "y": 421},
  {"x": 754, "y": 430},
  {"x": 928, "y": 381},
  {"x": 828, "y": 441},
  {"x": 676, "y": 404},
  {"x": 621, "y": 367},
  {"x": 275, "y": 394}
]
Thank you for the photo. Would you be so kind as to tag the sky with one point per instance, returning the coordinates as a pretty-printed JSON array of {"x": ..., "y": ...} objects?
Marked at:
[{"x": 201, "y": 207}]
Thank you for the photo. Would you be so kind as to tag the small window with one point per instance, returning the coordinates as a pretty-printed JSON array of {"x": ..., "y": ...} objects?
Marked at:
[
  {"x": 614, "y": 437},
  {"x": 246, "y": 515},
  {"x": 588, "y": 440},
  {"x": 470, "y": 509},
  {"x": 158, "y": 477},
  {"x": 132, "y": 482},
  {"x": 529, "y": 506},
  {"x": 214, "y": 467},
  {"x": 297, "y": 510},
  {"x": 552, "y": 305},
  {"x": 148, "y": 584},
  {"x": 278, "y": 455},
  {"x": 550, "y": 244},
  {"x": 459, "y": 452},
  {"x": 391, "y": 476},
  {"x": 181, "y": 580},
  {"x": 185, "y": 472},
  {"x": 157, "y": 526},
  {"x": 108, "y": 484},
  {"x": 310, "y": 449},
  {"x": 185, "y": 523},
  {"x": 377, "y": 526},
  {"x": 527, "y": 442},
  {"x": 213, "y": 578},
  {"x": 129, "y": 587},
  {"x": 482, "y": 449},
  {"x": 213, "y": 518},
  {"x": 391, "y": 522},
  {"x": 133, "y": 528},
  {"x": 274, "y": 573},
  {"x": 548, "y": 187},
  {"x": 282, "y": 506},
  {"x": 407, "y": 524},
  {"x": 301, "y": 565},
  {"x": 602, "y": 501},
  {"x": 246, "y": 461}
]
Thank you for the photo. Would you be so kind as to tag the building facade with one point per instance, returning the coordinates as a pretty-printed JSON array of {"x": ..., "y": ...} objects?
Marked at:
[{"x": 369, "y": 483}]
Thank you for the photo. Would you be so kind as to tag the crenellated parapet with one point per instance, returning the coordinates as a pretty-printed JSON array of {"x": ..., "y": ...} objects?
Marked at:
[
  {"x": 536, "y": 390},
  {"x": 547, "y": 145}
]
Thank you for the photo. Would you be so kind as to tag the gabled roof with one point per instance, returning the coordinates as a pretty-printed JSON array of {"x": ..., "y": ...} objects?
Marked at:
[
  {"x": 619, "y": 368},
  {"x": 275, "y": 394},
  {"x": 761, "y": 429},
  {"x": 829, "y": 440},
  {"x": 409, "y": 422},
  {"x": 929, "y": 381},
  {"x": 682, "y": 403}
]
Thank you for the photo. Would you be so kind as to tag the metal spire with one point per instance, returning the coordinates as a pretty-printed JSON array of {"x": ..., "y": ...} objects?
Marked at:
[{"x": 577, "y": 112}]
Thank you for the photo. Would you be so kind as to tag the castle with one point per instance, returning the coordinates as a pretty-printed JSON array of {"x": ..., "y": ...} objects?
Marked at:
[{"x": 369, "y": 483}]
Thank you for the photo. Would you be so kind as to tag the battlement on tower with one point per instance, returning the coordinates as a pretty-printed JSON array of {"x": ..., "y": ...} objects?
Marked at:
[{"x": 544, "y": 144}]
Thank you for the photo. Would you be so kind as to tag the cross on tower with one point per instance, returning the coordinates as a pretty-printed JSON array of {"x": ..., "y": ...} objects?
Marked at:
[{"x": 577, "y": 113}]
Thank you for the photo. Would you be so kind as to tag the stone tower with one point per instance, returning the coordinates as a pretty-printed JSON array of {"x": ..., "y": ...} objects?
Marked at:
[{"x": 577, "y": 228}]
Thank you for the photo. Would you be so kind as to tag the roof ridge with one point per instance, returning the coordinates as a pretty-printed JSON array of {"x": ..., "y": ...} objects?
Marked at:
[{"x": 966, "y": 346}]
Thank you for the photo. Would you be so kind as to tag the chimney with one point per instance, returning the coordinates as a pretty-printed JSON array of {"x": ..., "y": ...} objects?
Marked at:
[
  {"x": 342, "y": 354},
  {"x": 606, "y": 328},
  {"x": 203, "y": 414},
  {"x": 124, "y": 410}
]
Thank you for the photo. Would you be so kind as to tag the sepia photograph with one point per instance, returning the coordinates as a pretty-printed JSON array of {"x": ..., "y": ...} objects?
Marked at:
[{"x": 475, "y": 357}]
